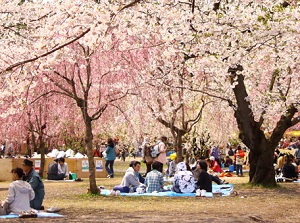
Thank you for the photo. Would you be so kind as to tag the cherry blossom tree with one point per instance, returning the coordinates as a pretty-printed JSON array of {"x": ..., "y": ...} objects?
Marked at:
[
  {"x": 244, "y": 53},
  {"x": 247, "y": 51},
  {"x": 63, "y": 57}
]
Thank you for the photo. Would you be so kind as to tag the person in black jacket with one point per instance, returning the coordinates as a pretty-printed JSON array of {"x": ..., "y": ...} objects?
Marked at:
[
  {"x": 204, "y": 179},
  {"x": 53, "y": 173},
  {"x": 289, "y": 170}
]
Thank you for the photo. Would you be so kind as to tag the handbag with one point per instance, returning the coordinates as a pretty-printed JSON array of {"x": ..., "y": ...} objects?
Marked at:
[{"x": 149, "y": 160}]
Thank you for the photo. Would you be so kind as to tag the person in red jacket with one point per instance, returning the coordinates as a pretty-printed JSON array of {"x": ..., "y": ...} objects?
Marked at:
[
  {"x": 214, "y": 166},
  {"x": 239, "y": 161}
]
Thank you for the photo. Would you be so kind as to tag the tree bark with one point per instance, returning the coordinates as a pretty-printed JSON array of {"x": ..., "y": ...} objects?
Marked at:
[
  {"x": 261, "y": 161},
  {"x": 261, "y": 149},
  {"x": 89, "y": 147},
  {"x": 42, "y": 151}
]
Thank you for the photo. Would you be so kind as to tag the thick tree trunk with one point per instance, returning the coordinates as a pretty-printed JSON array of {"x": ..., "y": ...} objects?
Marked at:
[
  {"x": 89, "y": 147},
  {"x": 261, "y": 163},
  {"x": 261, "y": 150}
]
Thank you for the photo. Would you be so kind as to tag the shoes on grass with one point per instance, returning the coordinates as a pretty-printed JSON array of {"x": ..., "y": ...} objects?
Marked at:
[{"x": 53, "y": 210}]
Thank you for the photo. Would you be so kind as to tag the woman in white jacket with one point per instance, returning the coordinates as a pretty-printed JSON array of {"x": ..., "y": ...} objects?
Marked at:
[{"x": 20, "y": 193}]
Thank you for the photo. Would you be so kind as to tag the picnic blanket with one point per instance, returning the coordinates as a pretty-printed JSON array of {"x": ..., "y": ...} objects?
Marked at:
[
  {"x": 60, "y": 181},
  {"x": 39, "y": 215},
  {"x": 226, "y": 190}
]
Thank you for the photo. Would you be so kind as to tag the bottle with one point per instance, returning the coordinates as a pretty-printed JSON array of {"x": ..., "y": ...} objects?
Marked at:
[{"x": 167, "y": 175}]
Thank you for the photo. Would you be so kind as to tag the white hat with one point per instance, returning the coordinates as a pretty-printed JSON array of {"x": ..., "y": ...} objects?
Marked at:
[{"x": 212, "y": 158}]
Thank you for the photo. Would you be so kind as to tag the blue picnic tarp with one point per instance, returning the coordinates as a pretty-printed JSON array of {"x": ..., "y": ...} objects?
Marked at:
[{"x": 225, "y": 189}]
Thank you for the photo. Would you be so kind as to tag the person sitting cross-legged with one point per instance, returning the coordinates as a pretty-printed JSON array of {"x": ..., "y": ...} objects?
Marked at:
[
  {"x": 130, "y": 178},
  {"x": 154, "y": 179},
  {"x": 53, "y": 171},
  {"x": 34, "y": 179},
  {"x": 204, "y": 181},
  {"x": 63, "y": 167},
  {"x": 184, "y": 181},
  {"x": 20, "y": 193}
]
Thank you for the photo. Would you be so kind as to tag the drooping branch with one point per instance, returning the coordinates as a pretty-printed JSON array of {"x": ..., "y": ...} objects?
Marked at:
[
  {"x": 99, "y": 112},
  {"x": 52, "y": 92},
  {"x": 45, "y": 54},
  {"x": 194, "y": 121}
]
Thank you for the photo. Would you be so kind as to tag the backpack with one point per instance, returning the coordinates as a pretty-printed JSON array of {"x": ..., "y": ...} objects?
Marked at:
[{"x": 155, "y": 151}]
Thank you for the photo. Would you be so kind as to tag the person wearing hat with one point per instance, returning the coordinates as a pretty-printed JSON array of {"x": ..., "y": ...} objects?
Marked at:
[
  {"x": 214, "y": 166},
  {"x": 34, "y": 179}
]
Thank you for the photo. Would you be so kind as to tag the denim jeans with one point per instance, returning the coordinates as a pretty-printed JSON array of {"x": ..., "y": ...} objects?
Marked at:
[
  {"x": 239, "y": 169},
  {"x": 110, "y": 169}
]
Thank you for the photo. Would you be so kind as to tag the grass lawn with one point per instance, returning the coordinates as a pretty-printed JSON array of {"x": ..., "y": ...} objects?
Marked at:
[{"x": 280, "y": 204}]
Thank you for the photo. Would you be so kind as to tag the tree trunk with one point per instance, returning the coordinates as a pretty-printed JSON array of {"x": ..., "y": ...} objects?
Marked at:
[
  {"x": 261, "y": 150},
  {"x": 89, "y": 147},
  {"x": 178, "y": 143},
  {"x": 42, "y": 151},
  {"x": 261, "y": 163}
]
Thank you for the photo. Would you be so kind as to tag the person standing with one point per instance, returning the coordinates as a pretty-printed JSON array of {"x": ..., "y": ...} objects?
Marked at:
[
  {"x": 230, "y": 151},
  {"x": 162, "y": 157},
  {"x": 239, "y": 161},
  {"x": 34, "y": 179},
  {"x": 20, "y": 193},
  {"x": 2, "y": 150},
  {"x": 146, "y": 154},
  {"x": 110, "y": 157}
]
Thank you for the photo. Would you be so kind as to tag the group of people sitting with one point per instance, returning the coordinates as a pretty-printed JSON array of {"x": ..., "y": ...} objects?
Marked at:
[
  {"x": 186, "y": 180},
  {"x": 25, "y": 193},
  {"x": 58, "y": 169},
  {"x": 287, "y": 168}
]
